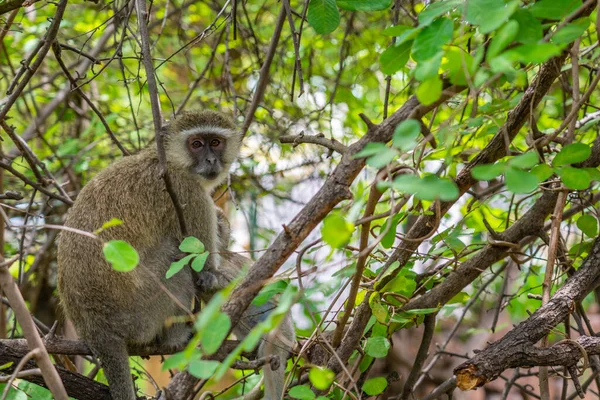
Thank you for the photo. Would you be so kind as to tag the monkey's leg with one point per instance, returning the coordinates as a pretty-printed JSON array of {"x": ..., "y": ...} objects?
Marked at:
[{"x": 115, "y": 361}]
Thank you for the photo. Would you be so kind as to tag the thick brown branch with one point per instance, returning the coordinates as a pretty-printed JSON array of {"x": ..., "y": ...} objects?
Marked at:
[{"x": 516, "y": 346}]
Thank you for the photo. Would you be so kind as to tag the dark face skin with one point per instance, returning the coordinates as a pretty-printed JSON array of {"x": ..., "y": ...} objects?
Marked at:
[{"x": 207, "y": 150}]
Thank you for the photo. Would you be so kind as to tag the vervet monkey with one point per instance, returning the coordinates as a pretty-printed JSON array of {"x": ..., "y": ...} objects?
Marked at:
[
  {"x": 113, "y": 311},
  {"x": 278, "y": 343}
]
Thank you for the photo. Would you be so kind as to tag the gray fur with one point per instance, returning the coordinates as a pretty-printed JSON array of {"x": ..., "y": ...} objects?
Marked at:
[{"x": 114, "y": 310}]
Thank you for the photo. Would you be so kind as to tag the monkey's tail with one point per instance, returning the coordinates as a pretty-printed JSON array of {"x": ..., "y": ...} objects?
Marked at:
[{"x": 115, "y": 361}]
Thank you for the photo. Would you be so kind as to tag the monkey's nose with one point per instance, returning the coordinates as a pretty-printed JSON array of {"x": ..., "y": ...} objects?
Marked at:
[{"x": 211, "y": 160}]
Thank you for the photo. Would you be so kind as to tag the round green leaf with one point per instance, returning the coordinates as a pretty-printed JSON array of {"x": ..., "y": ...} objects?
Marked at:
[
  {"x": 574, "y": 178},
  {"x": 588, "y": 225},
  {"x": 301, "y": 392},
  {"x": 487, "y": 172},
  {"x": 203, "y": 369},
  {"x": 490, "y": 14},
  {"x": 377, "y": 346},
  {"x": 336, "y": 230},
  {"x": 394, "y": 58},
  {"x": 524, "y": 161},
  {"x": 323, "y": 16},
  {"x": 503, "y": 38},
  {"x": 321, "y": 378},
  {"x": 430, "y": 90},
  {"x": 191, "y": 245},
  {"x": 571, "y": 154},
  {"x": 405, "y": 135},
  {"x": 121, "y": 255},
  {"x": 518, "y": 181},
  {"x": 554, "y": 9},
  {"x": 542, "y": 171},
  {"x": 375, "y": 386},
  {"x": 431, "y": 39}
]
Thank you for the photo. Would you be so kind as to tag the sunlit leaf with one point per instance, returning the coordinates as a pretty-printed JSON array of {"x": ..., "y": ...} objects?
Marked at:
[
  {"x": 375, "y": 386},
  {"x": 394, "y": 58},
  {"x": 191, "y": 245},
  {"x": 571, "y": 154},
  {"x": 377, "y": 347},
  {"x": 554, "y": 9},
  {"x": 518, "y": 181},
  {"x": 406, "y": 134},
  {"x": 321, "y": 378},
  {"x": 489, "y": 14},
  {"x": 588, "y": 225},
  {"x": 336, "y": 230},
  {"x": 301, "y": 392},
  {"x": 574, "y": 178},
  {"x": 203, "y": 369},
  {"x": 121, "y": 255}
]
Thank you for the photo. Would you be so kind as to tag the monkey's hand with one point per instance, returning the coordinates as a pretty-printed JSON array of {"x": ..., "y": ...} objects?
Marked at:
[{"x": 207, "y": 282}]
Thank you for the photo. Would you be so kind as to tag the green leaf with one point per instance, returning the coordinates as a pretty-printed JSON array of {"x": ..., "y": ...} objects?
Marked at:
[
  {"x": 431, "y": 39},
  {"x": 323, "y": 16},
  {"x": 461, "y": 298},
  {"x": 533, "y": 53},
  {"x": 203, "y": 369},
  {"x": 430, "y": 90},
  {"x": 383, "y": 158},
  {"x": 428, "y": 68},
  {"x": 503, "y": 38},
  {"x": 370, "y": 149},
  {"x": 542, "y": 171},
  {"x": 377, "y": 347},
  {"x": 406, "y": 134},
  {"x": 489, "y": 14},
  {"x": 121, "y": 255},
  {"x": 430, "y": 187},
  {"x": 530, "y": 28},
  {"x": 375, "y": 386},
  {"x": 364, "y": 5},
  {"x": 487, "y": 172},
  {"x": 269, "y": 291},
  {"x": 212, "y": 338},
  {"x": 588, "y": 225},
  {"x": 402, "y": 33},
  {"x": 321, "y": 378},
  {"x": 572, "y": 154},
  {"x": 574, "y": 178},
  {"x": 301, "y": 392},
  {"x": 394, "y": 58},
  {"x": 379, "y": 311},
  {"x": 518, "y": 181},
  {"x": 572, "y": 31},
  {"x": 336, "y": 230},
  {"x": 199, "y": 261},
  {"x": 396, "y": 30},
  {"x": 524, "y": 161},
  {"x": 554, "y": 9},
  {"x": 191, "y": 245},
  {"x": 390, "y": 237},
  {"x": 459, "y": 65},
  {"x": 429, "y": 14},
  {"x": 178, "y": 265},
  {"x": 111, "y": 223}
]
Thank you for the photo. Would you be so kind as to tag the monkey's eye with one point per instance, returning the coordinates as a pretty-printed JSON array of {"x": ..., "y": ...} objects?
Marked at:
[
  {"x": 215, "y": 142},
  {"x": 196, "y": 144}
]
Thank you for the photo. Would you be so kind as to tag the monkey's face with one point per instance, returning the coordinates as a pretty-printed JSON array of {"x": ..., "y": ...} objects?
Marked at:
[{"x": 207, "y": 151}]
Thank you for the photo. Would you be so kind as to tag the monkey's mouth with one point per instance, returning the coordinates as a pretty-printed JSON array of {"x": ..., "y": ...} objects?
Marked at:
[{"x": 211, "y": 175}]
